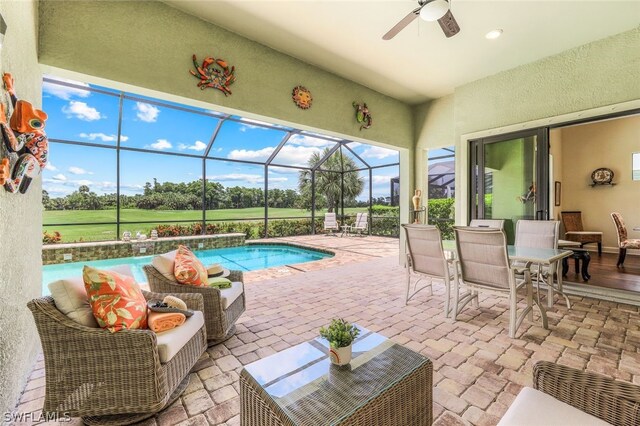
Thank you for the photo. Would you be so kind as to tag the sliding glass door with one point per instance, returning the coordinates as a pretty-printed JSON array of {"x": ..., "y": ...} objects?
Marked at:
[{"x": 510, "y": 178}]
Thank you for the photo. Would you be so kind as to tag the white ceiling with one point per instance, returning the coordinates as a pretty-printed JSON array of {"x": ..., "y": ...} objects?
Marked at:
[{"x": 344, "y": 37}]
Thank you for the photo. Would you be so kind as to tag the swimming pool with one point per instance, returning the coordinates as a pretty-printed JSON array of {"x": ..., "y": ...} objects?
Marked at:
[{"x": 245, "y": 258}]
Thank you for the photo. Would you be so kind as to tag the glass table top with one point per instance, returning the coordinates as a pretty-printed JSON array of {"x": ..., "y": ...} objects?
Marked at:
[
  {"x": 305, "y": 385},
  {"x": 525, "y": 254}
]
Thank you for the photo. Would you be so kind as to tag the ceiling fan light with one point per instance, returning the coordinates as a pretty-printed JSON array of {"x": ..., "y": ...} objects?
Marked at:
[{"x": 434, "y": 10}]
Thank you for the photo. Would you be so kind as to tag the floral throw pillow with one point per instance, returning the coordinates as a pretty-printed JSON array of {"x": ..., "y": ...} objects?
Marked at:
[
  {"x": 188, "y": 269},
  {"x": 116, "y": 300}
]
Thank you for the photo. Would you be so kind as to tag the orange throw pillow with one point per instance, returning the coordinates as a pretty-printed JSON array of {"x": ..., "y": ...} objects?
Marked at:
[
  {"x": 188, "y": 269},
  {"x": 116, "y": 300}
]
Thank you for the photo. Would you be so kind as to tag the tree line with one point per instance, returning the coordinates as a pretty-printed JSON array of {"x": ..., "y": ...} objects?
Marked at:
[{"x": 330, "y": 189}]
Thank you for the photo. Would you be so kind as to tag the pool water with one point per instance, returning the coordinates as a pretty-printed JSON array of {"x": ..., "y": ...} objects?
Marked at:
[{"x": 243, "y": 258}]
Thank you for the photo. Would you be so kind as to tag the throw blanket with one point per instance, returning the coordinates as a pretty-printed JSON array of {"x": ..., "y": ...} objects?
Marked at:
[{"x": 160, "y": 322}]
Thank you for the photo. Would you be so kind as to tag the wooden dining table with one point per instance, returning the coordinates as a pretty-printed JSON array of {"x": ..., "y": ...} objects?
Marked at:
[{"x": 537, "y": 256}]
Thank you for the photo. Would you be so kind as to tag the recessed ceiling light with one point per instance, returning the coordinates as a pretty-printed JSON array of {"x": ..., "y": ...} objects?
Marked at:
[{"x": 493, "y": 34}]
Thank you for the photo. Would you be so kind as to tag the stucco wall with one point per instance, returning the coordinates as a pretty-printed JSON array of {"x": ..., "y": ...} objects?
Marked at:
[
  {"x": 604, "y": 72},
  {"x": 20, "y": 219},
  {"x": 591, "y": 146},
  {"x": 149, "y": 45}
]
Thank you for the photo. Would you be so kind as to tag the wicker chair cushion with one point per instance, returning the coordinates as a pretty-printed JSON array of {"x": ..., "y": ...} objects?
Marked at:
[
  {"x": 71, "y": 297},
  {"x": 533, "y": 408},
  {"x": 171, "y": 341},
  {"x": 116, "y": 300},
  {"x": 188, "y": 269},
  {"x": 229, "y": 295},
  {"x": 164, "y": 263}
]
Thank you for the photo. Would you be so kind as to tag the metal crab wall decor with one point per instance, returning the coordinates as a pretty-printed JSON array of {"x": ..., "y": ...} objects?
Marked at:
[
  {"x": 214, "y": 73},
  {"x": 302, "y": 97},
  {"x": 363, "y": 115}
]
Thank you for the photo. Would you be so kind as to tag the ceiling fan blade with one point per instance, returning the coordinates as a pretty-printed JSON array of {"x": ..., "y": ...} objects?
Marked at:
[
  {"x": 403, "y": 23},
  {"x": 449, "y": 25}
]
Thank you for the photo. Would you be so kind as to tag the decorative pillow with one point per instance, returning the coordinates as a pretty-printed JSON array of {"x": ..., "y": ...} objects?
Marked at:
[
  {"x": 165, "y": 264},
  {"x": 71, "y": 299},
  {"x": 188, "y": 269},
  {"x": 116, "y": 300}
]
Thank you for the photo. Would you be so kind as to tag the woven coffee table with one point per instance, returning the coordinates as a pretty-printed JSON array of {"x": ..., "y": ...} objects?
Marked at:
[{"x": 385, "y": 384}]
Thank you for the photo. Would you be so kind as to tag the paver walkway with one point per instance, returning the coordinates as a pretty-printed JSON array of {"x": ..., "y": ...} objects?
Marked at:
[{"x": 478, "y": 369}]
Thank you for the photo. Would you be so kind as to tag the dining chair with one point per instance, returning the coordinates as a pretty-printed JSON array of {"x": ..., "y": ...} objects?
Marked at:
[
  {"x": 541, "y": 234},
  {"x": 426, "y": 259},
  {"x": 487, "y": 223},
  {"x": 574, "y": 231},
  {"x": 484, "y": 267},
  {"x": 624, "y": 242}
]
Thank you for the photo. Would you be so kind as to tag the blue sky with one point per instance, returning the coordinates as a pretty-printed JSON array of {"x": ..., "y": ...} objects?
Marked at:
[{"x": 80, "y": 115}]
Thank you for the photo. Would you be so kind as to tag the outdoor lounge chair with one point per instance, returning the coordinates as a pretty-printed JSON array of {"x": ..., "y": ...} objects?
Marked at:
[
  {"x": 484, "y": 266},
  {"x": 565, "y": 395},
  {"x": 361, "y": 224},
  {"x": 222, "y": 308},
  {"x": 574, "y": 231},
  {"x": 114, "y": 378},
  {"x": 330, "y": 223},
  {"x": 541, "y": 234},
  {"x": 425, "y": 258}
]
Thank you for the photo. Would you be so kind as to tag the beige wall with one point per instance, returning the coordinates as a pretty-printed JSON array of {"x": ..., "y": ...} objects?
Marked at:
[
  {"x": 602, "y": 73},
  {"x": 591, "y": 146},
  {"x": 20, "y": 219}
]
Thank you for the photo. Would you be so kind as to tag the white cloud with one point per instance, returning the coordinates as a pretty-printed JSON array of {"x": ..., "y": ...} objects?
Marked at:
[
  {"x": 160, "y": 144},
  {"x": 243, "y": 177},
  {"x": 65, "y": 92},
  {"x": 81, "y": 111},
  {"x": 50, "y": 167},
  {"x": 59, "y": 177},
  {"x": 197, "y": 146},
  {"x": 146, "y": 112},
  {"x": 103, "y": 137},
  {"x": 251, "y": 155},
  {"x": 378, "y": 152},
  {"x": 59, "y": 188},
  {"x": 292, "y": 155},
  {"x": 354, "y": 144},
  {"x": 382, "y": 179},
  {"x": 304, "y": 140},
  {"x": 78, "y": 171}
]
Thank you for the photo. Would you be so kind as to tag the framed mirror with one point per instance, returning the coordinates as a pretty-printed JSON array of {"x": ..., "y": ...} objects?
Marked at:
[{"x": 635, "y": 166}]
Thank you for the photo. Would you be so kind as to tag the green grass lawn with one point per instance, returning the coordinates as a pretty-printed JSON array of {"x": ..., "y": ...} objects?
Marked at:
[{"x": 108, "y": 232}]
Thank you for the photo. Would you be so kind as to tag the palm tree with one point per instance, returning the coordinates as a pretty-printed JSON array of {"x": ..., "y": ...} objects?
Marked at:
[{"x": 329, "y": 179}]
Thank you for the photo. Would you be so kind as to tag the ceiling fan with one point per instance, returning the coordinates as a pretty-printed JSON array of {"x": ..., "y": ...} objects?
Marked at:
[{"x": 429, "y": 10}]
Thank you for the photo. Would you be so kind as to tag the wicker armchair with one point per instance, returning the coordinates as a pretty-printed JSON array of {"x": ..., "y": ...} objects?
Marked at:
[
  {"x": 611, "y": 400},
  {"x": 220, "y": 322},
  {"x": 110, "y": 378},
  {"x": 574, "y": 231}
]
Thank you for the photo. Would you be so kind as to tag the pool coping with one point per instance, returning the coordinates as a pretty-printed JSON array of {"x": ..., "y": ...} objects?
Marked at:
[{"x": 287, "y": 243}]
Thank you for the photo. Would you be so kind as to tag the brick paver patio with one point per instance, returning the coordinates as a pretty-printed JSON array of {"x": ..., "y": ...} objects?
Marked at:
[{"x": 478, "y": 369}]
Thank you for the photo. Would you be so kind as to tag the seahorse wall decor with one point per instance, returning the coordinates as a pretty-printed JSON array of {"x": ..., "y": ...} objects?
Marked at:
[
  {"x": 24, "y": 146},
  {"x": 363, "y": 116}
]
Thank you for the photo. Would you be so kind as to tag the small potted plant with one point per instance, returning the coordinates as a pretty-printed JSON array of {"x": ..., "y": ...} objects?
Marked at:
[{"x": 340, "y": 335}]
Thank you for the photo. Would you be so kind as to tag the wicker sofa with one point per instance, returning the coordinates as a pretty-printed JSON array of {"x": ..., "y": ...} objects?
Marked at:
[
  {"x": 219, "y": 319},
  {"x": 111, "y": 378},
  {"x": 564, "y": 395}
]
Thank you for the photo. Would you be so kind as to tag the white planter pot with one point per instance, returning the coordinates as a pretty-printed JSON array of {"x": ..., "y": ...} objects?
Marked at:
[{"x": 340, "y": 356}]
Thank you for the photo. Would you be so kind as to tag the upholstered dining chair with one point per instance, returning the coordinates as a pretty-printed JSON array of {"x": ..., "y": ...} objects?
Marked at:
[
  {"x": 624, "y": 242},
  {"x": 487, "y": 223},
  {"x": 574, "y": 231},
  {"x": 542, "y": 234},
  {"x": 426, "y": 259},
  {"x": 484, "y": 267}
]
